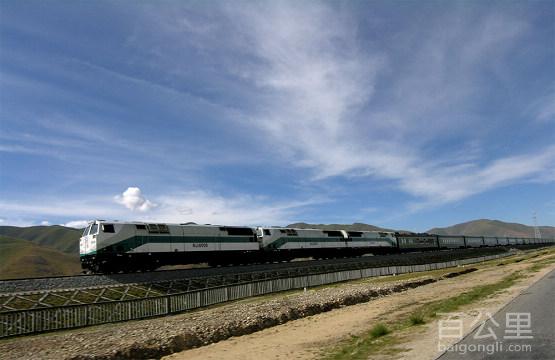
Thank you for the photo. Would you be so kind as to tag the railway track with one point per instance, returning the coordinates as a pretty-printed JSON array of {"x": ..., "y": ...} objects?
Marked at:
[{"x": 12, "y": 286}]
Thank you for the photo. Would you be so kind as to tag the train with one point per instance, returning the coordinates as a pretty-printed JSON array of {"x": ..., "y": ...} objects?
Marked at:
[{"x": 115, "y": 246}]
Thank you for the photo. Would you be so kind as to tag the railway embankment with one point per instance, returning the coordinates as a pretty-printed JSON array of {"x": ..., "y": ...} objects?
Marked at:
[{"x": 155, "y": 338}]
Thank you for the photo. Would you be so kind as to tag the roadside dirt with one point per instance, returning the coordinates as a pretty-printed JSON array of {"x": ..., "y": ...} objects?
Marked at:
[{"x": 312, "y": 337}]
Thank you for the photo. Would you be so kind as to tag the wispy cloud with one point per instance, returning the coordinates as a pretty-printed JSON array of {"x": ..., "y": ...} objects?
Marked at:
[
  {"x": 77, "y": 224},
  {"x": 317, "y": 83},
  {"x": 266, "y": 103},
  {"x": 544, "y": 108},
  {"x": 194, "y": 205}
]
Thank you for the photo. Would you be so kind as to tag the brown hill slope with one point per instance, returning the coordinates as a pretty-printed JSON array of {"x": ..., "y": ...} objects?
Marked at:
[
  {"x": 22, "y": 258},
  {"x": 493, "y": 228},
  {"x": 62, "y": 238}
]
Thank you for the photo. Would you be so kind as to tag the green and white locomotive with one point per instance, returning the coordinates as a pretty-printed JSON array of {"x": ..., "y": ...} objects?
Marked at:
[{"x": 121, "y": 246}]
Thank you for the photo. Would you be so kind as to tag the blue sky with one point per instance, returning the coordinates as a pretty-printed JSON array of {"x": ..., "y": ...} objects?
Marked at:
[{"x": 406, "y": 115}]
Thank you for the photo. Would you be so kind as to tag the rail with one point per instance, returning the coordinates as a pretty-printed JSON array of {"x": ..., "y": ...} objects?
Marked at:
[{"x": 31, "y": 321}]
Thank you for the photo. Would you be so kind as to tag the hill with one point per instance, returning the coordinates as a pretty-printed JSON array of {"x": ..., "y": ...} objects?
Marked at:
[
  {"x": 352, "y": 227},
  {"x": 493, "y": 228},
  {"x": 61, "y": 238},
  {"x": 22, "y": 258}
]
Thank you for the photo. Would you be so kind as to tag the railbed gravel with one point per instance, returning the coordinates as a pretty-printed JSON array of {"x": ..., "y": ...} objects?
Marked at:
[{"x": 157, "y": 337}]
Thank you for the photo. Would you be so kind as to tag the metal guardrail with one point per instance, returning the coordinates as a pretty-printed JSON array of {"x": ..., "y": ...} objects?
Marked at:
[{"x": 31, "y": 321}]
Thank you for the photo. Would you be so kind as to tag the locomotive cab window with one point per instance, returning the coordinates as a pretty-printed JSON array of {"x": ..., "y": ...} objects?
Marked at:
[
  {"x": 238, "y": 231},
  {"x": 94, "y": 229},
  {"x": 140, "y": 227},
  {"x": 108, "y": 228}
]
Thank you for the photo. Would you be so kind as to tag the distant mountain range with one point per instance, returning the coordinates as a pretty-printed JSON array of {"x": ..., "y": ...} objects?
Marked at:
[
  {"x": 483, "y": 227},
  {"x": 54, "y": 250},
  {"x": 493, "y": 228}
]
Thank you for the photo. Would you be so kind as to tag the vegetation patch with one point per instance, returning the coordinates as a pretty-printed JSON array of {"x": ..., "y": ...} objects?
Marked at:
[
  {"x": 538, "y": 265},
  {"x": 416, "y": 319},
  {"x": 379, "y": 330},
  {"x": 459, "y": 273}
]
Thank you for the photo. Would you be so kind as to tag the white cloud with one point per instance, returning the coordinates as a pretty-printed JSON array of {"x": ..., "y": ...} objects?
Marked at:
[
  {"x": 133, "y": 199},
  {"x": 78, "y": 224},
  {"x": 204, "y": 207},
  {"x": 194, "y": 205},
  {"x": 45, "y": 223}
]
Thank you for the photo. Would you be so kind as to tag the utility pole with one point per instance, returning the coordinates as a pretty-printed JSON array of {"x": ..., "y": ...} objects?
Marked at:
[{"x": 537, "y": 233}]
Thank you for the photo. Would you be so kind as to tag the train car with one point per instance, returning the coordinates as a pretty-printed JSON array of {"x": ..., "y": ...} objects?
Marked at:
[
  {"x": 450, "y": 241},
  {"x": 119, "y": 246},
  {"x": 490, "y": 241},
  {"x": 275, "y": 238},
  {"x": 290, "y": 243},
  {"x": 375, "y": 241},
  {"x": 474, "y": 241},
  {"x": 414, "y": 242},
  {"x": 503, "y": 241}
]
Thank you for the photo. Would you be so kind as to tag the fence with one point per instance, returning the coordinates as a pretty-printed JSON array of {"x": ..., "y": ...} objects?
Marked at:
[{"x": 32, "y": 321}]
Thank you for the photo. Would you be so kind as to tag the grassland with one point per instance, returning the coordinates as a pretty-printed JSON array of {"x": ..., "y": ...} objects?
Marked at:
[
  {"x": 57, "y": 237},
  {"x": 22, "y": 258}
]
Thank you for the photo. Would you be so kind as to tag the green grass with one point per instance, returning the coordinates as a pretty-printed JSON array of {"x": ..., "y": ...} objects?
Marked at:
[
  {"x": 379, "y": 330},
  {"x": 416, "y": 319},
  {"x": 358, "y": 347},
  {"x": 480, "y": 292},
  {"x": 540, "y": 264}
]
